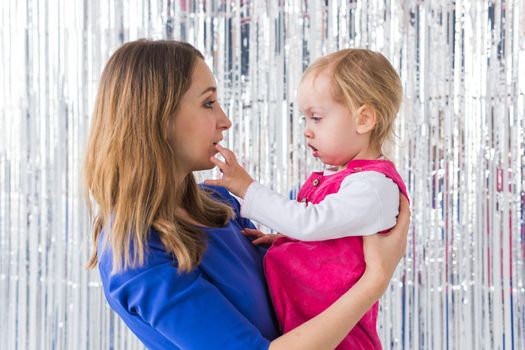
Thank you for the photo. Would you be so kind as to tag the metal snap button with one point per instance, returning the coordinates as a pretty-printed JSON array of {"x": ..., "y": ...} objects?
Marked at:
[{"x": 315, "y": 182}]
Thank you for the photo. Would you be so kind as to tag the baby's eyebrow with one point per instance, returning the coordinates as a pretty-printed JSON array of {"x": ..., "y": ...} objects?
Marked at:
[
  {"x": 311, "y": 108},
  {"x": 305, "y": 110}
]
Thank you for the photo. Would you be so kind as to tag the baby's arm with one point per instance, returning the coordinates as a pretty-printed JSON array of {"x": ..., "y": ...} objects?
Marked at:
[{"x": 366, "y": 203}]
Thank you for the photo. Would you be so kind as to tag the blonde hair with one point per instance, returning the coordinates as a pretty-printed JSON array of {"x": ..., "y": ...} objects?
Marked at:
[
  {"x": 362, "y": 77},
  {"x": 130, "y": 170}
]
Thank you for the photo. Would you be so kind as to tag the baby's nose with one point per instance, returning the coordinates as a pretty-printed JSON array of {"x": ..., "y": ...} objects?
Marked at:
[{"x": 308, "y": 133}]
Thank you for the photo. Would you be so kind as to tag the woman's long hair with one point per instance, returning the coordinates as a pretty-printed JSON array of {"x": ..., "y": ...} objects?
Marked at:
[{"x": 130, "y": 170}]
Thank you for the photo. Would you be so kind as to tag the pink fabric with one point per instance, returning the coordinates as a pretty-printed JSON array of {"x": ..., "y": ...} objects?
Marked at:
[{"x": 304, "y": 278}]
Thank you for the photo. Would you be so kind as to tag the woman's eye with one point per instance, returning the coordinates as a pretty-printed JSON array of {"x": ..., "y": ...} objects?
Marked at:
[{"x": 209, "y": 104}]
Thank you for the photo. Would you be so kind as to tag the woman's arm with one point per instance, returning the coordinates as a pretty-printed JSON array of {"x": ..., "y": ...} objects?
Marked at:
[
  {"x": 327, "y": 330},
  {"x": 185, "y": 309}
]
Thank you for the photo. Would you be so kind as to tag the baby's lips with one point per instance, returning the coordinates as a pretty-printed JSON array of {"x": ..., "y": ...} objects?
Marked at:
[{"x": 312, "y": 147}]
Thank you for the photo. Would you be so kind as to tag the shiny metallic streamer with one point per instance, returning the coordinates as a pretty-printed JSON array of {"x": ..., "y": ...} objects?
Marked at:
[{"x": 460, "y": 148}]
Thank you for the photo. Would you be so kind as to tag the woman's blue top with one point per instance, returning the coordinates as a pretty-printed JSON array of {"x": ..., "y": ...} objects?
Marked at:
[{"x": 222, "y": 304}]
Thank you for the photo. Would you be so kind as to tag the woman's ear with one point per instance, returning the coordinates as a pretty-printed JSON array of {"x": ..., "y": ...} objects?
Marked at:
[{"x": 366, "y": 119}]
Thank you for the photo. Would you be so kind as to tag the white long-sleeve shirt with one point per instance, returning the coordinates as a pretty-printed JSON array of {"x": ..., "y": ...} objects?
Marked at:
[{"x": 366, "y": 203}]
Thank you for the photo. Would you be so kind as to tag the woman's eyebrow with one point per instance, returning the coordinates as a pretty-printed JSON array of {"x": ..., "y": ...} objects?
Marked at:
[{"x": 211, "y": 88}]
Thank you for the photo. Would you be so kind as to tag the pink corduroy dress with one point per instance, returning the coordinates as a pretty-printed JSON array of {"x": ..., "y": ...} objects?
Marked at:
[{"x": 305, "y": 278}]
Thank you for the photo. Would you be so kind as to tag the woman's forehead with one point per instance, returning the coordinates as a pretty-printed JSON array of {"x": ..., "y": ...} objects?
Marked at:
[{"x": 202, "y": 79}]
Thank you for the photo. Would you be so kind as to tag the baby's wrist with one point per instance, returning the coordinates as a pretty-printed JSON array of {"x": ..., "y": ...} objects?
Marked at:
[{"x": 244, "y": 189}]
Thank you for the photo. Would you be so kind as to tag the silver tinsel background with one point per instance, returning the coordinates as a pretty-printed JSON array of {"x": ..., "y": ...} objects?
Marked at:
[{"x": 460, "y": 148}]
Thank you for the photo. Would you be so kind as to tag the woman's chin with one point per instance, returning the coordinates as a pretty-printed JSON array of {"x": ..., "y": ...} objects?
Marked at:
[{"x": 204, "y": 166}]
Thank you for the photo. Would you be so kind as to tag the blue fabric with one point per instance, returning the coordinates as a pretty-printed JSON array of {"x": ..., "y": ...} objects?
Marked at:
[{"x": 222, "y": 304}]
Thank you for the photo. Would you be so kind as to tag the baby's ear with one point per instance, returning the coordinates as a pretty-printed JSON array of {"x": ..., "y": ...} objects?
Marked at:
[{"x": 366, "y": 119}]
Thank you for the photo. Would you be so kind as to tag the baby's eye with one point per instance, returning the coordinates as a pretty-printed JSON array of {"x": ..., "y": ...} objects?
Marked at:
[
  {"x": 209, "y": 104},
  {"x": 315, "y": 118}
]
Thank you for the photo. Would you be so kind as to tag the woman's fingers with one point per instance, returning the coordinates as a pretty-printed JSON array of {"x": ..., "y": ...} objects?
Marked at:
[
  {"x": 403, "y": 219},
  {"x": 400, "y": 231},
  {"x": 398, "y": 235},
  {"x": 404, "y": 211}
]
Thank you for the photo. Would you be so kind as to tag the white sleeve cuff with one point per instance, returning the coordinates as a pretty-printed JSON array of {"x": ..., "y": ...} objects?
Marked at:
[{"x": 249, "y": 198}]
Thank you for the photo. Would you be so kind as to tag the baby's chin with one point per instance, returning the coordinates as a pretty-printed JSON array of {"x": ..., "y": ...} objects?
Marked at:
[
  {"x": 330, "y": 162},
  {"x": 335, "y": 165}
]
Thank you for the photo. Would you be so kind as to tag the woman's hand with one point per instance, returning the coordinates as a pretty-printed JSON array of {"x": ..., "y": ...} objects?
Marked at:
[
  {"x": 234, "y": 177},
  {"x": 261, "y": 238},
  {"x": 384, "y": 251}
]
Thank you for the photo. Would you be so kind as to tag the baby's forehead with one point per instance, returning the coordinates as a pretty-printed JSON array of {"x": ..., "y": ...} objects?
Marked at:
[
  {"x": 313, "y": 75},
  {"x": 315, "y": 84}
]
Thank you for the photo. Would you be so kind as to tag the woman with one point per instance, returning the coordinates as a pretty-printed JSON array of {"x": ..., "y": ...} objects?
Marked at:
[{"x": 173, "y": 263}]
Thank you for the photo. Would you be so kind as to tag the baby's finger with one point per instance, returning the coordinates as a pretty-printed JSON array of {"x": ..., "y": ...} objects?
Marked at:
[
  {"x": 220, "y": 164},
  {"x": 252, "y": 232},
  {"x": 266, "y": 240},
  {"x": 221, "y": 150},
  {"x": 218, "y": 182},
  {"x": 228, "y": 155}
]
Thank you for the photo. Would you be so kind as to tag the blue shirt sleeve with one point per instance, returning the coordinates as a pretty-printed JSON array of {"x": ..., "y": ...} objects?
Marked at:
[{"x": 186, "y": 309}]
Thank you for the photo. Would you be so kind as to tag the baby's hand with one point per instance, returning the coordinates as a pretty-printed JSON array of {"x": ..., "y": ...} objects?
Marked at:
[
  {"x": 260, "y": 237},
  {"x": 234, "y": 177}
]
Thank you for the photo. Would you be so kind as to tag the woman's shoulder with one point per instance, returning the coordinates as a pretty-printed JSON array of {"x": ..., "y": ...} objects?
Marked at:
[{"x": 155, "y": 255}]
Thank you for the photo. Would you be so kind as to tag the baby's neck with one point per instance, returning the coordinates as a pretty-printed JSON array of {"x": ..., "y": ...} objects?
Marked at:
[
  {"x": 371, "y": 155},
  {"x": 368, "y": 154}
]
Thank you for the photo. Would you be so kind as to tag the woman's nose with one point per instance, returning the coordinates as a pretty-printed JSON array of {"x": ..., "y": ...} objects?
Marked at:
[{"x": 224, "y": 123}]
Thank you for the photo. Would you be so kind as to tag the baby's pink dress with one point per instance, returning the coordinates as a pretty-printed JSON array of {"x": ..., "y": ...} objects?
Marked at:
[{"x": 305, "y": 278}]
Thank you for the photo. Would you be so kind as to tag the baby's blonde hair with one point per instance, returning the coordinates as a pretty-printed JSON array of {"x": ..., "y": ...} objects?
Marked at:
[{"x": 362, "y": 77}]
